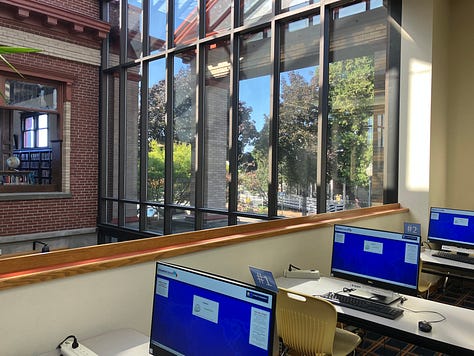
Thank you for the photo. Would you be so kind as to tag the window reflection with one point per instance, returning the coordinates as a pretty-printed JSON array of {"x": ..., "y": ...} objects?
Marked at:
[
  {"x": 216, "y": 123},
  {"x": 185, "y": 21},
  {"x": 156, "y": 131},
  {"x": 184, "y": 127},
  {"x": 254, "y": 11},
  {"x": 298, "y": 115},
  {"x": 135, "y": 29},
  {"x": 218, "y": 16},
  {"x": 157, "y": 25},
  {"x": 254, "y": 121},
  {"x": 356, "y": 96}
]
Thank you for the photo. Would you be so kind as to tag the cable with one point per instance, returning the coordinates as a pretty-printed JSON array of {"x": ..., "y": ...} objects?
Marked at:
[
  {"x": 75, "y": 343},
  {"x": 426, "y": 243},
  {"x": 291, "y": 267},
  {"x": 424, "y": 311}
]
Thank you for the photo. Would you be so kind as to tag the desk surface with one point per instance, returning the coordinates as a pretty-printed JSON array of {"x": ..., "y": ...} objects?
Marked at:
[
  {"x": 120, "y": 342},
  {"x": 427, "y": 257},
  {"x": 453, "y": 335}
]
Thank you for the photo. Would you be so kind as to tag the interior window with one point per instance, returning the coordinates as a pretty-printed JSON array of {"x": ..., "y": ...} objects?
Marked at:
[{"x": 30, "y": 140}]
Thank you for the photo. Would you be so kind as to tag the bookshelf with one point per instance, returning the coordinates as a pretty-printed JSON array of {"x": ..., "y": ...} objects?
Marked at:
[
  {"x": 38, "y": 162},
  {"x": 14, "y": 177}
]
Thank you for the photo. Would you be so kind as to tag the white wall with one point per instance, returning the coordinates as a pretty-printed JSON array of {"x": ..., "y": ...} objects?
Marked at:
[
  {"x": 460, "y": 118},
  {"x": 35, "y": 318},
  {"x": 436, "y": 106},
  {"x": 415, "y": 108}
]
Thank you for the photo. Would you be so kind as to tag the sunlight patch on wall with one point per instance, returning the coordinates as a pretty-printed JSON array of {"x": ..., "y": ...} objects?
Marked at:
[{"x": 418, "y": 126}]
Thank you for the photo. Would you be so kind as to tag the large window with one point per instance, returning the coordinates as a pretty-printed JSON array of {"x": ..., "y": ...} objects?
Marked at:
[
  {"x": 30, "y": 136},
  {"x": 231, "y": 112}
]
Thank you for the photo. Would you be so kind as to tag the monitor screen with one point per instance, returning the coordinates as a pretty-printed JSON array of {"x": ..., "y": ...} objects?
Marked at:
[
  {"x": 198, "y": 313},
  {"x": 382, "y": 259},
  {"x": 451, "y": 227}
]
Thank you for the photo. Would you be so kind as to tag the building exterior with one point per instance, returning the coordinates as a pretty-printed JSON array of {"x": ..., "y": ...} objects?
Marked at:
[{"x": 50, "y": 120}]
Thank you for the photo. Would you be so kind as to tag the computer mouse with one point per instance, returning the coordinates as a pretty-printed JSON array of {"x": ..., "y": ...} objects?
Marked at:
[{"x": 424, "y": 326}]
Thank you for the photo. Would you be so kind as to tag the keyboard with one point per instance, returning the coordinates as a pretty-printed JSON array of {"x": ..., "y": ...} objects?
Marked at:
[
  {"x": 364, "y": 305},
  {"x": 455, "y": 257}
]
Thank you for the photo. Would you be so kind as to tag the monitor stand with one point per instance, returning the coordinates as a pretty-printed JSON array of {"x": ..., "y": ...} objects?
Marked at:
[{"x": 385, "y": 298}]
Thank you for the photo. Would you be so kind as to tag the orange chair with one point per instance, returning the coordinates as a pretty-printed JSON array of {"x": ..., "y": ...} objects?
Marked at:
[{"x": 307, "y": 326}]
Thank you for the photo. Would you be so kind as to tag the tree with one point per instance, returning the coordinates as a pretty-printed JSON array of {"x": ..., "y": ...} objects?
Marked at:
[
  {"x": 181, "y": 172},
  {"x": 351, "y": 100},
  {"x": 298, "y": 135}
]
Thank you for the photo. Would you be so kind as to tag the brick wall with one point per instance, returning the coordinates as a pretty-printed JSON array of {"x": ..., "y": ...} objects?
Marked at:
[
  {"x": 70, "y": 58},
  {"x": 80, "y": 210}
]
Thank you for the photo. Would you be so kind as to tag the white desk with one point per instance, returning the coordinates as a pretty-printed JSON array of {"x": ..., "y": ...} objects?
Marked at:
[
  {"x": 455, "y": 335},
  {"x": 121, "y": 342},
  {"x": 445, "y": 267},
  {"x": 428, "y": 258}
]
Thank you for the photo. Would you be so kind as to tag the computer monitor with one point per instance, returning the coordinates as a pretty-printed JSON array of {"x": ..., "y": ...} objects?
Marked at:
[
  {"x": 199, "y": 313},
  {"x": 451, "y": 227},
  {"x": 381, "y": 263}
]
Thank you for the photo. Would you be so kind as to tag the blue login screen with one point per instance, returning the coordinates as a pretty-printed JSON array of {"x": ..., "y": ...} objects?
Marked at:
[
  {"x": 210, "y": 318},
  {"x": 376, "y": 255}
]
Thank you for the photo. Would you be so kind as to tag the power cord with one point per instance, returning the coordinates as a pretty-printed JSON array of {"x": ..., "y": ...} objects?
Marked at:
[
  {"x": 426, "y": 243},
  {"x": 291, "y": 267},
  {"x": 443, "y": 318},
  {"x": 75, "y": 343}
]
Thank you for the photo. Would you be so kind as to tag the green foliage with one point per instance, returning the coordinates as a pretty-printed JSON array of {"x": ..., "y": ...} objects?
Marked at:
[
  {"x": 351, "y": 100},
  {"x": 298, "y": 135},
  {"x": 181, "y": 172}
]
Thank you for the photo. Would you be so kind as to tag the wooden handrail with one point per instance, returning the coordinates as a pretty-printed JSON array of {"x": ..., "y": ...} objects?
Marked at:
[{"x": 23, "y": 270}]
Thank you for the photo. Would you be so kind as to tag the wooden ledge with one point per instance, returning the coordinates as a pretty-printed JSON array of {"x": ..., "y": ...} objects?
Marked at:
[{"x": 23, "y": 270}]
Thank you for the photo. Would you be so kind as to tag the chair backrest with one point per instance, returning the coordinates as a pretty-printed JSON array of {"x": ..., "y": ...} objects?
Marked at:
[{"x": 306, "y": 324}]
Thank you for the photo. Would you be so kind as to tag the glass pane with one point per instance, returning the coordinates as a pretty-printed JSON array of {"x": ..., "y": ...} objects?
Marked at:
[
  {"x": 216, "y": 123},
  {"x": 111, "y": 137},
  {"x": 132, "y": 128},
  {"x": 185, "y": 21},
  {"x": 246, "y": 220},
  {"x": 131, "y": 216},
  {"x": 156, "y": 131},
  {"x": 155, "y": 218},
  {"x": 218, "y": 16},
  {"x": 29, "y": 139},
  {"x": 184, "y": 128},
  {"x": 254, "y": 116},
  {"x": 30, "y": 95},
  {"x": 43, "y": 140},
  {"x": 289, "y": 5},
  {"x": 114, "y": 34},
  {"x": 29, "y": 123},
  {"x": 298, "y": 121},
  {"x": 355, "y": 164},
  {"x": 254, "y": 11},
  {"x": 135, "y": 28},
  {"x": 182, "y": 221},
  {"x": 214, "y": 220},
  {"x": 157, "y": 25},
  {"x": 111, "y": 213},
  {"x": 43, "y": 121}
]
